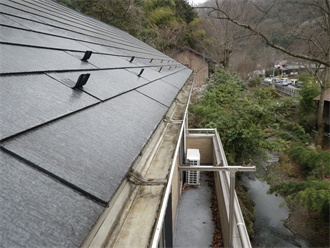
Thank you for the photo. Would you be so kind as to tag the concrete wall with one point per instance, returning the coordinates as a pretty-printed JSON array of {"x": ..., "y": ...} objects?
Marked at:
[
  {"x": 205, "y": 146},
  {"x": 194, "y": 62}
]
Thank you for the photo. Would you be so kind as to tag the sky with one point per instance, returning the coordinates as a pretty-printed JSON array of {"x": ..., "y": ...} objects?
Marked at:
[{"x": 195, "y": 2}]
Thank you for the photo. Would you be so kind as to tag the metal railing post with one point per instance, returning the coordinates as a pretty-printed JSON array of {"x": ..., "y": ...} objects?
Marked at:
[{"x": 231, "y": 209}]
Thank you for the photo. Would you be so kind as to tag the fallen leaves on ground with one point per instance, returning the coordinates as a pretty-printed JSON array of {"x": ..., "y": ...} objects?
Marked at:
[{"x": 217, "y": 237}]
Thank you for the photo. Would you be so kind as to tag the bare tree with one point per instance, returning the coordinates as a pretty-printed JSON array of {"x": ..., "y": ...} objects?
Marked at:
[
  {"x": 313, "y": 34},
  {"x": 224, "y": 40}
]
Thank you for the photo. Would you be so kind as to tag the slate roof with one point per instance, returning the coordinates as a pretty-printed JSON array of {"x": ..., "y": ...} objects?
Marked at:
[{"x": 64, "y": 150}]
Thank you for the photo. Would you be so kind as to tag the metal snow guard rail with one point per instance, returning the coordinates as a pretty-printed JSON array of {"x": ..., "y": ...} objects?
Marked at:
[{"x": 227, "y": 180}]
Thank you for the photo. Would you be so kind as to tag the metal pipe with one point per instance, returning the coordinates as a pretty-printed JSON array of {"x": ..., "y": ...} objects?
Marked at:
[
  {"x": 199, "y": 135},
  {"x": 217, "y": 168},
  {"x": 201, "y": 129}
]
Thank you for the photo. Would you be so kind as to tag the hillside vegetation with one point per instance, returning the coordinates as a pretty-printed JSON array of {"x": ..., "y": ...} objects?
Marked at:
[
  {"x": 166, "y": 25},
  {"x": 246, "y": 118}
]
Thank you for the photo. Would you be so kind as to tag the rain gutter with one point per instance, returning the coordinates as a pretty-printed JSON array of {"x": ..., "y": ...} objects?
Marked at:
[{"x": 160, "y": 220}]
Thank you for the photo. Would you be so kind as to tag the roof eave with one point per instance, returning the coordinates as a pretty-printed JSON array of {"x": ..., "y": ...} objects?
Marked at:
[{"x": 131, "y": 213}]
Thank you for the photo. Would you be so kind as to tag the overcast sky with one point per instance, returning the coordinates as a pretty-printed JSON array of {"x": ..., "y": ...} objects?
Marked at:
[{"x": 195, "y": 2}]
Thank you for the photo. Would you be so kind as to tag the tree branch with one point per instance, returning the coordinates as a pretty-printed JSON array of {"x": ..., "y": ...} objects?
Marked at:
[{"x": 225, "y": 16}]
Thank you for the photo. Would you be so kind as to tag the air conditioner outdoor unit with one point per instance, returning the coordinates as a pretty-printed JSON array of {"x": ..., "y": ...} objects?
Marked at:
[{"x": 193, "y": 157}]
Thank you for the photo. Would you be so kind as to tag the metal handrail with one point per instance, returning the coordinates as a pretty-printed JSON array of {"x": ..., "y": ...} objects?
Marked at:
[
  {"x": 235, "y": 210},
  {"x": 216, "y": 168},
  {"x": 160, "y": 220}
]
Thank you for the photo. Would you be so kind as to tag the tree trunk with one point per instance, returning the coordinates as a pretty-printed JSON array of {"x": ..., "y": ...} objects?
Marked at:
[
  {"x": 320, "y": 122},
  {"x": 226, "y": 63},
  {"x": 227, "y": 53}
]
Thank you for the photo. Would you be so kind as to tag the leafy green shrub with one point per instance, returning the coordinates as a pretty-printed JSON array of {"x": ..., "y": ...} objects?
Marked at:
[
  {"x": 312, "y": 194},
  {"x": 303, "y": 156},
  {"x": 240, "y": 116},
  {"x": 298, "y": 131},
  {"x": 324, "y": 158},
  {"x": 310, "y": 160},
  {"x": 254, "y": 82},
  {"x": 307, "y": 108},
  {"x": 285, "y": 164},
  {"x": 151, "y": 5},
  {"x": 283, "y": 134},
  {"x": 162, "y": 15}
]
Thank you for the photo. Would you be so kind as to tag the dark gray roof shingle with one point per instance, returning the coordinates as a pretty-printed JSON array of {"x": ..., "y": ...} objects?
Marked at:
[
  {"x": 65, "y": 151},
  {"x": 37, "y": 211}
]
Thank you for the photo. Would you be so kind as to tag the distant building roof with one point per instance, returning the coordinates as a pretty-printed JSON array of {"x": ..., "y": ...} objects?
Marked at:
[
  {"x": 66, "y": 149},
  {"x": 293, "y": 67},
  {"x": 326, "y": 96},
  {"x": 297, "y": 67},
  {"x": 193, "y": 51}
]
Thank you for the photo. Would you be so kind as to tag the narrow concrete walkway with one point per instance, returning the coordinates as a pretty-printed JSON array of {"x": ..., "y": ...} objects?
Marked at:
[{"x": 194, "y": 226}]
